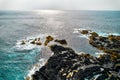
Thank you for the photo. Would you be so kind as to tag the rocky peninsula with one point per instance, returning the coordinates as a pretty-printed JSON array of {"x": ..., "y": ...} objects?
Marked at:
[
  {"x": 66, "y": 64},
  {"x": 110, "y": 44}
]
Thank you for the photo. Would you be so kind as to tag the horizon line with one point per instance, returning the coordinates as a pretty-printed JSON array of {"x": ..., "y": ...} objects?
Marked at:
[{"x": 59, "y": 10}]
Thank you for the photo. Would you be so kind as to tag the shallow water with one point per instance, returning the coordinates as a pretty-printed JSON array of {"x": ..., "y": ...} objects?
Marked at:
[{"x": 18, "y": 25}]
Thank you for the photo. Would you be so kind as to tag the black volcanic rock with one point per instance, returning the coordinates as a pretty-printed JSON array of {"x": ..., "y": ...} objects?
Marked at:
[
  {"x": 65, "y": 64},
  {"x": 110, "y": 44},
  {"x": 63, "y": 42}
]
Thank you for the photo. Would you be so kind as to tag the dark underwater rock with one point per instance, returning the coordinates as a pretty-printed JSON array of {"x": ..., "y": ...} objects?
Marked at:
[{"x": 66, "y": 64}]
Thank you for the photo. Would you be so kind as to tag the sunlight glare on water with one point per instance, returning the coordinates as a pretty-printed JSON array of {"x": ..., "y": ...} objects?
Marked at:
[{"x": 49, "y": 11}]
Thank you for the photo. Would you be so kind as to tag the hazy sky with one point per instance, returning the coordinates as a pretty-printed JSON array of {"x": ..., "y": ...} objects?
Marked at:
[{"x": 60, "y": 4}]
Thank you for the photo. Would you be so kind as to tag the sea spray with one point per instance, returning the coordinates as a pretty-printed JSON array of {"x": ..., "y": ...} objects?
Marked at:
[{"x": 35, "y": 68}]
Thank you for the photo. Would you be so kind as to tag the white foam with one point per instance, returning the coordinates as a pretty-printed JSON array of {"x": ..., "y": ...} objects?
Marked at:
[
  {"x": 77, "y": 31},
  {"x": 79, "y": 53},
  {"x": 99, "y": 53},
  {"x": 41, "y": 36},
  {"x": 25, "y": 47},
  {"x": 35, "y": 68},
  {"x": 96, "y": 76},
  {"x": 28, "y": 45},
  {"x": 84, "y": 36},
  {"x": 107, "y": 34}
]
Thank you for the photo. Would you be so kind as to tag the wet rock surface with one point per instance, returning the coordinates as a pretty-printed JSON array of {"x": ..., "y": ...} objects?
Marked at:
[
  {"x": 63, "y": 42},
  {"x": 110, "y": 44},
  {"x": 84, "y": 31},
  {"x": 66, "y": 64},
  {"x": 48, "y": 39}
]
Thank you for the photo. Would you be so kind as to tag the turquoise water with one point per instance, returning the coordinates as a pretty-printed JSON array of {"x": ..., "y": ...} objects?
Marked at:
[{"x": 16, "y": 25}]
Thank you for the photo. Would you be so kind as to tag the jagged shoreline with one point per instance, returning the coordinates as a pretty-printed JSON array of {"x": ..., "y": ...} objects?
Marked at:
[{"x": 66, "y": 64}]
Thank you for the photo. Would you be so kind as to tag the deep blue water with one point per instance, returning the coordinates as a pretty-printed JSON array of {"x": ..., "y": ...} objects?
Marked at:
[{"x": 17, "y": 25}]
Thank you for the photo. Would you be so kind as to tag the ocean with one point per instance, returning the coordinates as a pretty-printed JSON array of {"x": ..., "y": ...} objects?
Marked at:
[{"x": 16, "y": 61}]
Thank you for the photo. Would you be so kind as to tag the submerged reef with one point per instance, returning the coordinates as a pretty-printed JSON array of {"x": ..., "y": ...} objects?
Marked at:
[{"x": 66, "y": 64}]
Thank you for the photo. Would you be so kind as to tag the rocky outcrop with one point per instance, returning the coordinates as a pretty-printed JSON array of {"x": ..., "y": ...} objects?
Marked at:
[
  {"x": 84, "y": 31},
  {"x": 63, "y": 42},
  {"x": 94, "y": 34},
  {"x": 110, "y": 44},
  {"x": 36, "y": 41},
  {"x": 66, "y": 64},
  {"x": 48, "y": 39},
  {"x": 22, "y": 42}
]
